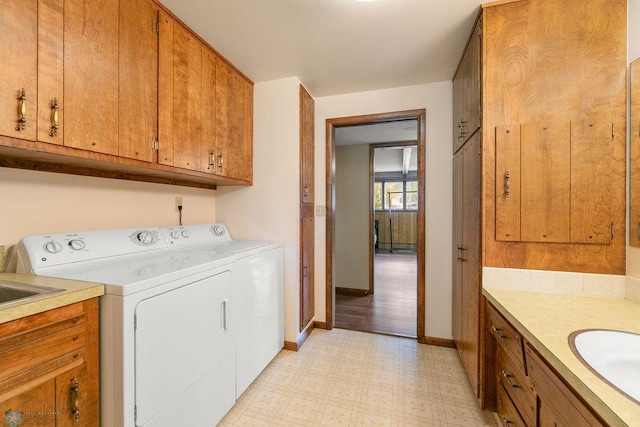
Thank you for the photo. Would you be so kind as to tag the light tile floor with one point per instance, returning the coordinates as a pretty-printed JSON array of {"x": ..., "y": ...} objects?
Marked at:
[{"x": 349, "y": 378}]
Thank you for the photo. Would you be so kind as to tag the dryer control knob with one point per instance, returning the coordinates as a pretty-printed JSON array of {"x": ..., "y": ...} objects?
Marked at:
[
  {"x": 52, "y": 247},
  {"x": 218, "y": 230},
  {"x": 175, "y": 235},
  {"x": 185, "y": 233},
  {"x": 77, "y": 245},
  {"x": 145, "y": 237}
]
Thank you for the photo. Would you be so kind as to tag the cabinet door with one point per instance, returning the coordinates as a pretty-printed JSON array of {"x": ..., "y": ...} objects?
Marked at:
[
  {"x": 470, "y": 252},
  {"x": 90, "y": 67},
  {"x": 546, "y": 182},
  {"x": 246, "y": 172},
  {"x": 51, "y": 71},
  {"x": 208, "y": 146},
  {"x": 36, "y": 406},
  {"x": 235, "y": 155},
  {"x": 76, "y": 405},
  {"x": 18, "y": 44},
  {"x": 166, "y": 106},
  {"x": 222, "y": 115},
  {"x": 307, "y": 227},
  {"x": 307, "y": 191},
  {"x": 138, "y": 77},
  {"x": 457, "y": 251},
  {"x": 508, "y": 183}
]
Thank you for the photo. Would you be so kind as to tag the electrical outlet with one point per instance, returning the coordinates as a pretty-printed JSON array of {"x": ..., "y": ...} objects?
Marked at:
[
  {"x": 321, "y": 210},
  {"x": 178, "y": 202}
]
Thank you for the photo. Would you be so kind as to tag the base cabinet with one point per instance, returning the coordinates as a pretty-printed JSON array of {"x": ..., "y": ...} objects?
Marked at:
[
  {"x": 529, "y": 392},
  {"x": 49, "y": 365}
]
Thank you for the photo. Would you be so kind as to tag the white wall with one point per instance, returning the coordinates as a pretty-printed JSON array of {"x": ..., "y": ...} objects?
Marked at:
[
  {"x": 436, "y": 98},
  {"x": 633, "y": 52},
  {"x": 269, "y": 210},
  {"x": 42, "y": 202},
  {"x": 351, "y": 217}
]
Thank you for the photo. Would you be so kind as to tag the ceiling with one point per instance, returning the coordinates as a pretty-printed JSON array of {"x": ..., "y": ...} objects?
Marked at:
[{"x": 335, "y": 46}]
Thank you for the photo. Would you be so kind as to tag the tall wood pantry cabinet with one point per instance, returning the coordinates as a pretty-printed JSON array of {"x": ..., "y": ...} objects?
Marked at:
[
  {"x": 550, "y": 80},
  {"x": 307, "y": 208}
]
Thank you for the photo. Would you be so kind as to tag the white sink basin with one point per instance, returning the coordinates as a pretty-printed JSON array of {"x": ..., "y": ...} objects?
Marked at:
[{"x": 613, "y": 355}]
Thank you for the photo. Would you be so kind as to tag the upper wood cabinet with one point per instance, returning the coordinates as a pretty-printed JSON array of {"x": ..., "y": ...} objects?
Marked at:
[
  {"x": 90, "y": 75},
  {"x": 307, "y": 169},
  {"x": 138, "y": 79},
  {"x": 18, "y": 70},
  {"x": 112, "y": 98},
  {"x": 634, "y": 163},
  {"x": 467, "y": 110},
  {"x": 554, "y": 122}
]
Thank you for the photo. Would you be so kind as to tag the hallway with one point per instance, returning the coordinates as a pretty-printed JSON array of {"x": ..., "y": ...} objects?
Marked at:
[{"x": 392, "y": 309}]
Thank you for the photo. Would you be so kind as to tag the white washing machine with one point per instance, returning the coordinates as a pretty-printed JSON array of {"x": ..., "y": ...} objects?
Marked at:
[{"x": 166, "y": 332}]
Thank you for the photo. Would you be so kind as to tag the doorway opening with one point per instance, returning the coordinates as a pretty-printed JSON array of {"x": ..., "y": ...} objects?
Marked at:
[{"x": 385, "y": 292}]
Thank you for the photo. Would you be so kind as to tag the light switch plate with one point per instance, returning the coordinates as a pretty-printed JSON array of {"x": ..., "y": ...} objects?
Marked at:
[{"x": 321, "y": 210}]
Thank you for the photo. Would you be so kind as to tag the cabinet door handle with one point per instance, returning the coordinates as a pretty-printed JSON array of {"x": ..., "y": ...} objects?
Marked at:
[
  {"x": 212, "y": 161},
  {"x": 508, "y": 377},
  {"x": 507, "y": 421},
  {"x": 498, "y": 332},
  {"x": 507, "y": 178},
  {"x": 74, "y": 397},
  {"x": 305, "y": 272},
  {"x": 22, "y": 111},
  {"x": 54, "y": 117},
  {"x": 220, "y": 161}
]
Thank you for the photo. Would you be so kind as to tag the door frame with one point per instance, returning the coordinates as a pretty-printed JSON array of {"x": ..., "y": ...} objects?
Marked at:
[{"x": 330, "y": 168}]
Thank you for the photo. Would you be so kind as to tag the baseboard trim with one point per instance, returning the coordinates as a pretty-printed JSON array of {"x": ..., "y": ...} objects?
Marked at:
[
  {"x": 352, "y": 291},
  {"x": 295, "y": 346},
  {"x": 440, "y": 342},
  {"x": 320, "y": 325}
]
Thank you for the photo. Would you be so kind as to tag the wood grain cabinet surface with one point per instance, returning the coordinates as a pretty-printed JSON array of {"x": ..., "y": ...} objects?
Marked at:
[
  {"x": 120, "y": 89},
  {"x": 50, "y": 366}
]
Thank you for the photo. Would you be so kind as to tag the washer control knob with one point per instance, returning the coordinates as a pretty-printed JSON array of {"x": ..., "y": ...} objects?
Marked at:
[
  {"x": 185, "y": 233},
  {"x": 52, "y": 247},
  {"x": 218, "y": 230},
  {"x": 77, "y": 244},
  {"x": 175, "y": 235},
  {"x": 145, "y": 237}
]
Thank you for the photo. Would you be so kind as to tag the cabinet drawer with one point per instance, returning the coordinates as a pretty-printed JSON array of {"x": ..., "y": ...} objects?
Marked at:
[
  {"x": 506, "y": 335},
  {"x": 20, "y": 331},
  {"x": 507, "y": 412},
  {"x": 557, "y": 398},
  {"x": 512, "y": 377}
]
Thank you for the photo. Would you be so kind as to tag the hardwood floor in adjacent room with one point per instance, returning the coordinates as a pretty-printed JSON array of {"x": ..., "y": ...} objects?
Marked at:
[{"x": 392, "y": 309}]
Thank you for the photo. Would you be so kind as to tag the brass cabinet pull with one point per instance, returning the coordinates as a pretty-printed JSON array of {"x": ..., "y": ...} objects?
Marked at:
[
  {"x": 507, "y": 178},
  {"x": 212, "y": 160},
  {"x": 461, "y": 249},
  {"x": 22, "y": 111},
  {"x": 75, "y": 400},
  {"x": 220, "y": 160},
  {"x": 507, "y": 376},
  {"x": 54, "y": 117},
  {"x": 305, "y": 272},
  {"x": 498, "y": 332},
  {"x": 507, "y": 421}
]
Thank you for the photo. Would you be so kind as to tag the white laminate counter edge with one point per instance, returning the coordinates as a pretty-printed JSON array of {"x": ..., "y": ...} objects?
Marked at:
[
  {"x": 605, "y": 400},
  {"x": 74, "y": 291}
]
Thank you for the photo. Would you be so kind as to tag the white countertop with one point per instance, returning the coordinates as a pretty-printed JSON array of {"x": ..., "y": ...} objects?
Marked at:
[
  {"x": 546, "y": 320},
  {"x": 74, "y": 291}
]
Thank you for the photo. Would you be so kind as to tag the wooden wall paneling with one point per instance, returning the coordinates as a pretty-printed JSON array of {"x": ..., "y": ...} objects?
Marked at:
[
  {"x": 50, "y": 71},
  {"x": 208, "y": 146},
  {"x": 594, "y": 170},
  {"x": 90, "y": 67},
  {"x": 165, "y": 90},
  {"x": 634, "y": 162},
  {"x": 572, "y": 66},
  {"x": 18, "y": 44},
  {"x": 405, "y": 233},
  {"x": 138, "y": 79},
  {"x": 187, "y": 98},
  {"x": 508, "y": 171},
  {"x": 546, "y": 182}
]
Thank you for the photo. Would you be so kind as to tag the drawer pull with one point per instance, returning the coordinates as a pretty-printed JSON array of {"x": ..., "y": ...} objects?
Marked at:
[
  {"x": 508, "y": 377},
  {"x": 74, "y": 397},
  {"x": 498, "y": 332}
]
